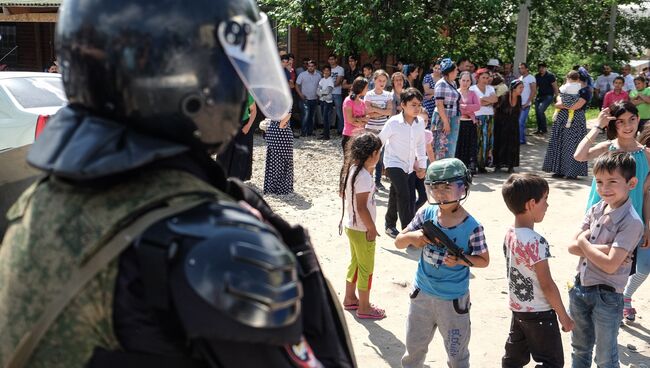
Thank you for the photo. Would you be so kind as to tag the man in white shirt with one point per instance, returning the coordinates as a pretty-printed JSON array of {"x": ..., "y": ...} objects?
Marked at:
[
  {"x": 307, "y": 87},
  {"x": 604, "y": 83},
  {"x": 404, "y": 152},
  {"x": 325, "y": 88},
  {"x": 629, "y": 78},
  {"x": 337, "y": 75},
  {"x": 527, "y": 98}
]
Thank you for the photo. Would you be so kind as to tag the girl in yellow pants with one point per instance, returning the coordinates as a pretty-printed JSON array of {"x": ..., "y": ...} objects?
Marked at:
[{"x": 357, "y": 188}]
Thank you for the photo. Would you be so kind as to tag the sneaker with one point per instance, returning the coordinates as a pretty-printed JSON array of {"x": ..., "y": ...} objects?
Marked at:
[
  {"x": 629, "y": 314},
  {"x": 392, "y": 232}
]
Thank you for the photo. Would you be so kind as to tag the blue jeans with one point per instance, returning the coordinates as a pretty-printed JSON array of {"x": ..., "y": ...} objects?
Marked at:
[
  {"x": 523, "y": 117},
  {"x": 309, "y": 111},
  {"x": 643, "y": 260},
  {"x": 597, "y": 314},
  {"x": 338, "y": 109},
  {"x": 541, "y": 104},
  {"x": 325, "y": 110}
]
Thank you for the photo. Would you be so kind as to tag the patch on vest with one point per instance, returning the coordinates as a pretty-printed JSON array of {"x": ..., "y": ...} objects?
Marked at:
[{"x": 302, "y": 355}]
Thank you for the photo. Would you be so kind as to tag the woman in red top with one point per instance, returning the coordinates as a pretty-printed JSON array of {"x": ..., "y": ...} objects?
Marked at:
[{"x": 466, "y": 148}]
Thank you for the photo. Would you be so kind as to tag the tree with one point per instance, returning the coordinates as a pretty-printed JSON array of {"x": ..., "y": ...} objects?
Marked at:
[
  {"x": 419, "y": 30},
  {"x": 415, "y": 30}
]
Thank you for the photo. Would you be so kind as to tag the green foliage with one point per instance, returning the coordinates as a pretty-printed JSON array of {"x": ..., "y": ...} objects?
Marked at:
[
  {"x": 566, "y": 33},
  {"x": 562, "y": 32}
]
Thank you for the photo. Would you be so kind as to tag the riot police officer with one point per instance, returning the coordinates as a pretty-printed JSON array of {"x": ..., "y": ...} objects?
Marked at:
[{"x": 133, "y": 249}]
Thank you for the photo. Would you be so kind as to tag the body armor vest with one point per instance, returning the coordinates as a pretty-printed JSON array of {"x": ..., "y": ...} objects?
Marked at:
[{"x": 54, "y": 229}]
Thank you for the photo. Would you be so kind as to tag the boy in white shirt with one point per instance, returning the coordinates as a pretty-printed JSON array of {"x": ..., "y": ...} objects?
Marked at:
[
  {"x": 535, "y": 300},
  {"x": 403, "y": 139},
  {"x": 326, "y": 99}
]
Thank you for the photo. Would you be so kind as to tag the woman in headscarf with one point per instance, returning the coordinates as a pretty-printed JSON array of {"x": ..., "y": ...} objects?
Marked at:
[
  {"x": 564, "y": 140},
  {"x": 445, "y": 124},
  {"x": 412, "y": 72},
  {"x": 429, "y": 84},
  {"x": 506, "y": 127}
]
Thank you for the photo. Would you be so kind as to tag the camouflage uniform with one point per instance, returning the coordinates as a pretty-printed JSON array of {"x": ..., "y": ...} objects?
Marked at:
[{"x": 55, "y": 227}]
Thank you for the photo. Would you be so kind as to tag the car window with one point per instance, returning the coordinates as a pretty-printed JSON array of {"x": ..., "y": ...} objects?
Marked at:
[{"x": 36, "y": 92}]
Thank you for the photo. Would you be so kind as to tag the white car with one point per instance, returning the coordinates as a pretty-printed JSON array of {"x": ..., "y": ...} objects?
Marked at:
[{"x": 27, "y": 100}]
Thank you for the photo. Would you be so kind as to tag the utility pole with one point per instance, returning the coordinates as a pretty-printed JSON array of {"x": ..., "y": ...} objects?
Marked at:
[
  {"x": 521, "y": 44},
  {"x": 613, "y": 13}
]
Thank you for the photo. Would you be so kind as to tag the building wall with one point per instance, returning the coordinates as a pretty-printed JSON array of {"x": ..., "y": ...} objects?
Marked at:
[
  {"x": 312, "y": 45},
  {"x": 35, "y": 43},
  {"x": 309, "y": 45}
]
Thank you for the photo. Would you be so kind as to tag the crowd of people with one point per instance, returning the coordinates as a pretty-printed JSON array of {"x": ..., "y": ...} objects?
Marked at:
[
  {"x": 429, "y": 134},
  {"x": 476, "y": 114}
]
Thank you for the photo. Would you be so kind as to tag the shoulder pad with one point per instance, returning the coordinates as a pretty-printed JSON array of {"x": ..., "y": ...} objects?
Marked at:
[{"x": 232, "y": 276}]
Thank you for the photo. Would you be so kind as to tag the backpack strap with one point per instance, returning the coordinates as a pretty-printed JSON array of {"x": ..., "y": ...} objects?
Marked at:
[{"x": 87, "y": 271}]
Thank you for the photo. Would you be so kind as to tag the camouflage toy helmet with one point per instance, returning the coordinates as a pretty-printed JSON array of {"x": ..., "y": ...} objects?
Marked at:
[{"x": 447, "y": 170}]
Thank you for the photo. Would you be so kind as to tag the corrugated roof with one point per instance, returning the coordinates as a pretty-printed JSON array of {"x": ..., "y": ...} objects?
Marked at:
[{"x": 32, "y": 3}]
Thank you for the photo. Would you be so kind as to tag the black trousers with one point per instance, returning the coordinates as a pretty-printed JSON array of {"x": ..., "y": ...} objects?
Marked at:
[
  {"x": 536, "y": 334},
  {"x": 417, "y": 188},
  {"x": 399, "y": 198}
]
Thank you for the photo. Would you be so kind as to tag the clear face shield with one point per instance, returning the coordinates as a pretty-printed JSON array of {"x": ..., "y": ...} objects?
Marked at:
[
  {"x": 251, "y": 49},
  {"x": 447, "y": 191}
]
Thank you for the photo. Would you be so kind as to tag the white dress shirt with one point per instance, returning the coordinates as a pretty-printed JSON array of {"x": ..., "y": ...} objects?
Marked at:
[{"x": 404, "y": 143}]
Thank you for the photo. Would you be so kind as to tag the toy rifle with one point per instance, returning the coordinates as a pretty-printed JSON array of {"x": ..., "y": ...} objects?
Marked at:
[{"x": 439, "y": 238}]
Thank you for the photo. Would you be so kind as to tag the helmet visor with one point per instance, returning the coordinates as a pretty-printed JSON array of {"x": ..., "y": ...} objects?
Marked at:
[
  {"x": 251, "y": 48},
  {"x": 443, "y": 192}
]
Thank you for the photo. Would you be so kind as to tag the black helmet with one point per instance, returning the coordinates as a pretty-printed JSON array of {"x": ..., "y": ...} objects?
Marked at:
[{"x": 170, "y": 68}]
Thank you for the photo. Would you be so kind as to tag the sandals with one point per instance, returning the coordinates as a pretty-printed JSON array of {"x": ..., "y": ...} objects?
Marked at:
[
  {"x": 353, "y": 306},
  {"x": 376, "y": 313}
]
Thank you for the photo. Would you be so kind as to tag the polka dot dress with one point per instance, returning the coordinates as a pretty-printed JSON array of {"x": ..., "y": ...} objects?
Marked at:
[
  {"x": 563, "y": 143},
  {"x": 278, "y": 172}
]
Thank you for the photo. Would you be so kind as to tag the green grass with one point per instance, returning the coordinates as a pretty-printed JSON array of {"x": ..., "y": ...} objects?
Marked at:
[{"x": 591, "y": 113}]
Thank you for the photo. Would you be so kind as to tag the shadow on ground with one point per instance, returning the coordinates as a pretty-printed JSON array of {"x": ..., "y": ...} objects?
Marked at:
[
  {"x": 627, "y": 355},
  {"x": 411, "y": 253},
  {"x": 385, "y": 344},
  {"x": 294, "y": 200}
]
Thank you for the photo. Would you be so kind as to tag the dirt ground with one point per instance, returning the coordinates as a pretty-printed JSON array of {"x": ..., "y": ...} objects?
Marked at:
[{"x": 316, "y": 205}]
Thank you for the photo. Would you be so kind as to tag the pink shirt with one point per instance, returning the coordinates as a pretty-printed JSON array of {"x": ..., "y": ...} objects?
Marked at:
[
  {"x": 358, "y": 110},
  {"x": 428, "y": 136},
  {"x": 612, "y": 96},
  {"x": 472, "y": 104}
]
